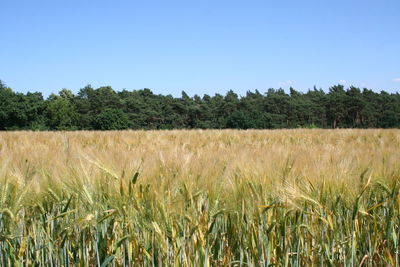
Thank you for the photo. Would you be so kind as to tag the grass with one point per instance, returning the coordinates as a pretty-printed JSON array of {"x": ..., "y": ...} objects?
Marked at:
[{"x": 200, "y": 198}]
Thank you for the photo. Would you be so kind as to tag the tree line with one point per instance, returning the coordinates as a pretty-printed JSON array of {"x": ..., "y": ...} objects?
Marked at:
[{"x": 105, "y": 109}]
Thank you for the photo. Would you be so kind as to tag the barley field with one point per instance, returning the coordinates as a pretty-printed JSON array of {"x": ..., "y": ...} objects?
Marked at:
[{"x": 200, "y": 198}]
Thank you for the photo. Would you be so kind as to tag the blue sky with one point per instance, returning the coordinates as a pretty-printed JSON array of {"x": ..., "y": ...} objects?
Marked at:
[{"x": 199, "y": 46}]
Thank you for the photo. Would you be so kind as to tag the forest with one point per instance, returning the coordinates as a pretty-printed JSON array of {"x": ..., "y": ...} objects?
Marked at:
[{"x": 106, "y": 109}]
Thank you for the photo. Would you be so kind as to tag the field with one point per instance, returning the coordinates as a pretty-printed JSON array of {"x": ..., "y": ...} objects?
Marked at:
[{"x": 200, "y": 198}]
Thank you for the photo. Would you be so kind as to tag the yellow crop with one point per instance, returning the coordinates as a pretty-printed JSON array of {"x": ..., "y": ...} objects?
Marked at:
[{"x": 201, "y": 197}]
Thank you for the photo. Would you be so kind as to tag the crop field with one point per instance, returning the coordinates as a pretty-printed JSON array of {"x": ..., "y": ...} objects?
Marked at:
[{"x": 200, "y": 198}]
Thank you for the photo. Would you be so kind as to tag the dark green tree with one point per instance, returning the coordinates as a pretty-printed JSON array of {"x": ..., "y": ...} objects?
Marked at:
[
  {"x": 62, "y": 112},
  {"x": 336, "y": 106},
  {"x": 111, "y": 119},
  {"x": 105, "y": 109}
]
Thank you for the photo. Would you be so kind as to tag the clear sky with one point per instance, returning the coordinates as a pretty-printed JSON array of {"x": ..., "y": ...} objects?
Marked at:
[{"x": 199, "y": 46}]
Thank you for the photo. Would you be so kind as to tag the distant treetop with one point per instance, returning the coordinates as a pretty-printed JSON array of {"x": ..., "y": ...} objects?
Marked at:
[{"x": 106, "y": 109}]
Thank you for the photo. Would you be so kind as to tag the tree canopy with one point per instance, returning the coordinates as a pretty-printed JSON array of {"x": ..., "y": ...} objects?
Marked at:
[{"x": 106, "y": 109}]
